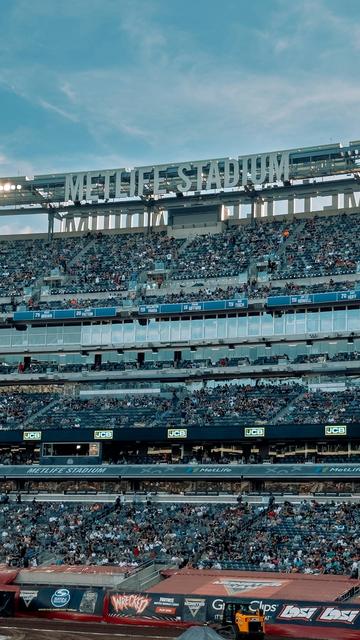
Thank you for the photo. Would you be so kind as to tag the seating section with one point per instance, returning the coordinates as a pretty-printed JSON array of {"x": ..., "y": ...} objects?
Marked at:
[
  {"x": 326, "y": 246},
  {"x": 22, "y": 262},
  {"x": 306, "y": 538},
  {"x": 111, "y": 261},
  {"x": 19, "y": 406},
  {"x": 229, "y": 253},
  {"x": 224, "y": 405},
  {"x": 321, "y": 247},
  {"x": 325, "y": 407}
]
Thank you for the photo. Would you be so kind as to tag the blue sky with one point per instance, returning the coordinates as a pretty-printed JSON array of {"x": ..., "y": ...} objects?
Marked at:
[{"x": 90, "y": 85}]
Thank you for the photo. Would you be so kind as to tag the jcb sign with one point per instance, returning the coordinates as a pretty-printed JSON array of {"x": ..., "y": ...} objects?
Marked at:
[
  {"x": 32, "y": 435},
  {"x": 336, "y": 430},
  {"x": 177, "y": 433},
  {"x": 104, "y": 435},
  {"x": 254, "y": 432}
]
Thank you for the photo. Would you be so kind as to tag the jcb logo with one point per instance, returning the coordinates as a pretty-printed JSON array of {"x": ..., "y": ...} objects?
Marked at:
[
  {"x": 336, "y": 430},
  {"x": 104, "y": 435},
  {"x": 254, "y": 432},
  {"x": 32, "y": 435},
  {"x": 177, "y": 433}
]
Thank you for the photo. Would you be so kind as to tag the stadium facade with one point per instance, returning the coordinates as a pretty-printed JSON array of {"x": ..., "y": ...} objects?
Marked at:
[{"x": 261, "y": 309}]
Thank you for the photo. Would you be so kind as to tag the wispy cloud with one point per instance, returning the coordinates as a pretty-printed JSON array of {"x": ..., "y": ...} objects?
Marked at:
[
  {"x": 161, "y": 93},
  {"x": 61, "y": 112}
]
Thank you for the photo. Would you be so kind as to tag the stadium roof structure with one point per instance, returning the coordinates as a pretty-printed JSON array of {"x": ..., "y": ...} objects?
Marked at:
[{"x": 209, "y": 180}]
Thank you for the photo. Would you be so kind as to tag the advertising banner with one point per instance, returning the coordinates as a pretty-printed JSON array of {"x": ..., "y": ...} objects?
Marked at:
[
  {"x": 34, "y": 600},
  {"x": 198, "y": 609},
  {"x": 147, "y": 606}
]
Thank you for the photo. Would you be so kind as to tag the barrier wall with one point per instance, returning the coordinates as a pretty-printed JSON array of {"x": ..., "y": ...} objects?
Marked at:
[{"x": 286, "y": 618}]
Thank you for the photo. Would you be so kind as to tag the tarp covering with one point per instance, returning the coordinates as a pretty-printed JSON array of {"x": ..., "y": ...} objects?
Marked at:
[{"x": 200, "y": 633}]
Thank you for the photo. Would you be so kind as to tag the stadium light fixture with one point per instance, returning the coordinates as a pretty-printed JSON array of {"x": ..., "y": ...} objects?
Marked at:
[
  {"x": 350, "y": 340},
  {"x": 7, "y": 186},
  {"x": 309, "y": 343},
  {"x": 267, "y": 345}
]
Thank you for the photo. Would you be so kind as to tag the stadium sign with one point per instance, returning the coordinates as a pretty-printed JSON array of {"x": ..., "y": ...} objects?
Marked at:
[
  {"x": 198, "y": 175},
  {"x": 176, "y": 434},
  {"x": 107, "y": 434},
  {"x": 336, "y": 430},
  {"x": 32, "y": 435},
  {"x": 254, "y": 432}
]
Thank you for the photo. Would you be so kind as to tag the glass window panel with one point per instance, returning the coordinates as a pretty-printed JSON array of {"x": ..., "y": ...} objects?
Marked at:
[
  {"x": 175, "y": 330},
  {"x": 129, "y": 332},
  {"x": 5, "y": 338},
  {"x": 290, "y": 323},
  {"x": 105, "y": 334},
  {"x": 326, "y": 321},
  {"x": 165, "y": 331},
  {"x": 85, "y": 336},
  {"x": 117, "y": 332},
  {"x": 312, "y": 321},
  {"x": 300, "y": 322},
  {"x": 210, "y": 328},
  {"x": 279, "y": 324},
  {"x": 267, "y": 324},
  {"x": 221, "y": 327},
  {"x": 232, "y": 328},
  {"x": 19, "y": 339},
  {"x": 197, "y": 329},
  {"x": 185, "y": 329},
  {"x": 340, "y": 320},
  {"x": 96, "y": 334},
  {"x": 37, "y": 336},
  {"x": 254, "y": 325},
  {"x": 153, "y": 331},
  {"x": 353, "y": 319},
  {"x": 141, "y": 332},
  {"x": 242, "y": 326}
]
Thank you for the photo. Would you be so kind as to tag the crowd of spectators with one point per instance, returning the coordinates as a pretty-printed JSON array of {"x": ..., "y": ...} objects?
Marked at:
[
  {"x": 340, "y": 407},
  {"x": 18, "y": 407},
  {"x": 229, "y": 403},
  {"x": 306, "y": 538},
  {"x": 22, "y": 262},
  {"x": 112, "y": 260},
  {"x": 224, "y": 404},
  {"x": 326, "y": 246}
]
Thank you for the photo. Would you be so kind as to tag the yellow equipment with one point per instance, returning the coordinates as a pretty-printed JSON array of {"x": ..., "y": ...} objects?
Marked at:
[{"x": 240, "y": 622}]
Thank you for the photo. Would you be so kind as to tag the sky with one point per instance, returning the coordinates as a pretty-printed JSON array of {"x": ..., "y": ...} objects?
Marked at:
[{"x": 88, "y": 85}]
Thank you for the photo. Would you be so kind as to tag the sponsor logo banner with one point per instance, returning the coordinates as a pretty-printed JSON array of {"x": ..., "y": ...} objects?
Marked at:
[
  {"x": 146, "y": 606},
  {"x": 28, "y": 596},
  {"x": 295, "y": 612},
  {"x": 103, "y": 434},
  {"x": 194, "y": 609},
  {"x": 254, "y": 432},
  {"x": 177, "y": 433},
  {"x": 72, "y": 599},
  {"x": 32, "y": 435},
  {"x": 336, "y": 430},
  {"x": 334, "y": 615},
  {"x": 60, "y": 598}
]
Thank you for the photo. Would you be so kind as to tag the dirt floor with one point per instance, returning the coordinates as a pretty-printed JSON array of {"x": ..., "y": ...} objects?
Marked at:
[
  {"x": 11, "y": 629},
  {"x": 48, "y": 630}
]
